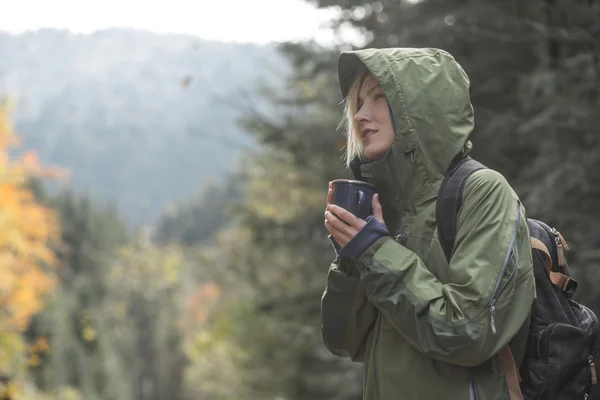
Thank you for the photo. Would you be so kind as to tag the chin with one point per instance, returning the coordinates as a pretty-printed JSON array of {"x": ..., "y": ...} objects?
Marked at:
[{"x": 374, "y": 154}]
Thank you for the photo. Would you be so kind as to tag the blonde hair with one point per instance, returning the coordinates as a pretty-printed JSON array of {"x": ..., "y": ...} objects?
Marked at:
[{"x": 354, "y": 144}]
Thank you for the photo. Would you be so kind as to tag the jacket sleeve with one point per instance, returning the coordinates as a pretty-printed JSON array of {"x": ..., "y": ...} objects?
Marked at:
[
  {"x": 483, "y": 304},
  {"x": 347, "y": 316}
]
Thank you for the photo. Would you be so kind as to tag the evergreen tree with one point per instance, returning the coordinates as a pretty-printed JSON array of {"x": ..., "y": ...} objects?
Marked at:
[
  {"x": 80, "y": 353},
  {"x": 535, "y": 81},
  {"x": 196, "y": 220}
]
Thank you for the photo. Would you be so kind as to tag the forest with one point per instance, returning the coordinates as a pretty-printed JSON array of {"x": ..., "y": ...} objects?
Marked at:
[
  {"x": 124, "y": 111},
  {"x": 218, "y": 297}
]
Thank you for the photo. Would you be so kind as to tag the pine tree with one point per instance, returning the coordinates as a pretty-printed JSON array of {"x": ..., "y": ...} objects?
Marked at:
[
  {"x": 73, "y": 319},
  {"x": 535, "y": 95}
]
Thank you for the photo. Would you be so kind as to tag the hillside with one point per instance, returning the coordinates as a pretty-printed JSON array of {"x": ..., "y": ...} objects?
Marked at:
[{"x": 138, "y": 118}]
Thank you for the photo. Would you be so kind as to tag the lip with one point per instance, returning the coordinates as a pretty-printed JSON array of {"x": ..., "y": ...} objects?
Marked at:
[{"x": 366, "y": 133}]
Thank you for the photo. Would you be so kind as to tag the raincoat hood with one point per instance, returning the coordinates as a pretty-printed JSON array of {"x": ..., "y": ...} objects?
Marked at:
[{"x": 428, "y": 94}]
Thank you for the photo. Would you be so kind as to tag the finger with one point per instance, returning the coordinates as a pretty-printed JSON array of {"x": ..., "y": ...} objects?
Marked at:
[
  {"x": 329, "y": 227},
  {"x": 330, "y": 222},
  {"x": 377, "y": 209},
  {"x": 329, "y": 195},
  {"x": 344, "y": 215},
  {"x": 340, "y": 237},
  {"x": 339, "y": 224},
  {"x": 334, "y": 220},
  {"x": 340, "y": 230},
  {"x": 335, "y": 232}
]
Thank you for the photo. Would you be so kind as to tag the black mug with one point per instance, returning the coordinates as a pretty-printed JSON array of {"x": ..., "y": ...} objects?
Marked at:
[{"x": 354, "y": 196}]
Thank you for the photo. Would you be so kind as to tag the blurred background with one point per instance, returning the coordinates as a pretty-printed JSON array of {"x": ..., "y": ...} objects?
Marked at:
[{"x": 164, "y": 165}]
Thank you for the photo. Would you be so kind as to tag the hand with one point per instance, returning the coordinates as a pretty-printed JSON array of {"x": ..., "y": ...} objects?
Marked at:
[{"x": 342, "y": 224}]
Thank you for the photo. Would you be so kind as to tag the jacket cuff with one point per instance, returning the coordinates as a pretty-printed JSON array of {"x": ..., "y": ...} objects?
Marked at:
[
  {"x": 365, "y": 261},
  {"x": 368, "y": 235}
]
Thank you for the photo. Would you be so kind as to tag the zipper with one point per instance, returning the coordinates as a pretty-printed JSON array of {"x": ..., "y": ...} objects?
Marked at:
[
  {"x": 594, "y": 377},
  {"x": 497, "y": 290},
  {"x": 561, "y": 247},
  {"x": 472, "y": 391}
]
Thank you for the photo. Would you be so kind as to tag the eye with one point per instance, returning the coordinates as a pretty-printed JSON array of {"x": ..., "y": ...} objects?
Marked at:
[{"x": 380, "y": 96}]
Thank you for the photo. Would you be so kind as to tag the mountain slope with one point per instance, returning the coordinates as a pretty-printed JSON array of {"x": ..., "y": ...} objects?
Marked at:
[{"x": 138, "y": 118}]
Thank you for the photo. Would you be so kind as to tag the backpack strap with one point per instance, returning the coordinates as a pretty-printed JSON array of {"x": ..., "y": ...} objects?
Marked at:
[
  {"x": 449, "y": 201},
  {"x": 562, "y": 281},
  {"x": 511, "y": 374},
  {"x": 448, "y": 205}
]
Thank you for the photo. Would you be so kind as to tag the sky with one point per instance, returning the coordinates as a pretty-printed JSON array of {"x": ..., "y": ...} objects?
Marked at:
[{"x": 257, "y": 21}]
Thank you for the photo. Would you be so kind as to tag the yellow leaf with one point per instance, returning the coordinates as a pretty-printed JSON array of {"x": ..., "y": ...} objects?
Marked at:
[
  {"x": 27, "y": 232},
  {"x": 34, "y": 360},
  {"x": 89, "y": 333}
]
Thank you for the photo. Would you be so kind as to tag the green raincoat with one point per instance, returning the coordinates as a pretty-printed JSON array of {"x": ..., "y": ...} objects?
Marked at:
[{"x": 424, "y": 328}]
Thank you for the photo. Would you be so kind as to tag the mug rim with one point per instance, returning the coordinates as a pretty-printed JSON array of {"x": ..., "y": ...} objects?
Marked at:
[{"x": 354, "y": 181}]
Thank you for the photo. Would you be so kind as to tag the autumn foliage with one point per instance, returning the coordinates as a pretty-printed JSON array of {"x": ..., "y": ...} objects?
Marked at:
[{"x": 27, "y": 230}]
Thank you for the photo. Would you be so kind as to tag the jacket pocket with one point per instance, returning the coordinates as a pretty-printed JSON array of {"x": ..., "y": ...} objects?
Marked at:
[{"x": 562, "y": 368}]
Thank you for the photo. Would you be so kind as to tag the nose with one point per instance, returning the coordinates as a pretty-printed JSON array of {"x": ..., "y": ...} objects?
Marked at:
[{"x": 363, "y": 115}]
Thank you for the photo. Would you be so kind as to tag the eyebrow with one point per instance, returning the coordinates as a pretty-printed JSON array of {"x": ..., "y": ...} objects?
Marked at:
[{"x": 378, "y": 86}]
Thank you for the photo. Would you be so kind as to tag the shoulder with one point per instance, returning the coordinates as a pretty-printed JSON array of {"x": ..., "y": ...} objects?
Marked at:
[
  {"x": 488, "y": 196},
  {"x": 486, "y": 182},
  {"x": 486, "y": 178}
]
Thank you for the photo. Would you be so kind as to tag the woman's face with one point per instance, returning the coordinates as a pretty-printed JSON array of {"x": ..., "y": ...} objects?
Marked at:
[{"x": 374, "y": 119}]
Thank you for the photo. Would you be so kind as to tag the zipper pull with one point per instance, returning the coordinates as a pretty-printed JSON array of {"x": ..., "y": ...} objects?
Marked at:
[
  {"x": 561, "y": 247},
  {"x": 401, "y": 238},
  {"x": 411, "y": 151},
  {"x": 563, "y": 241},
  {"x": 492, "y": 313}
]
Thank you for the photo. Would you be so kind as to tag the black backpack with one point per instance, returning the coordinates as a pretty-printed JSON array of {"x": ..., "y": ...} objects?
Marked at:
[{"x": 559, "y": 357}]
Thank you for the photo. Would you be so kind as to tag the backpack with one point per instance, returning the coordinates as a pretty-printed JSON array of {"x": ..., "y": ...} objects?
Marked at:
[{"x": 558, "y": 362}]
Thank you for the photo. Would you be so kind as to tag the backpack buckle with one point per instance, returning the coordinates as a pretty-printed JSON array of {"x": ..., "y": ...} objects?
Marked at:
[
  {"x": 570, "y": 286},
  {"x": 564, "y": 282}
]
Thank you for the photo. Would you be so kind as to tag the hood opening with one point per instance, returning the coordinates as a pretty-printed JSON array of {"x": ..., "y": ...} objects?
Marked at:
[{"x": 428, "y": 97}]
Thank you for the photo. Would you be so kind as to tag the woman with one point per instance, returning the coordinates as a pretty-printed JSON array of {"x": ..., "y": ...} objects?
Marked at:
[{"x": 423, "y": 327}]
